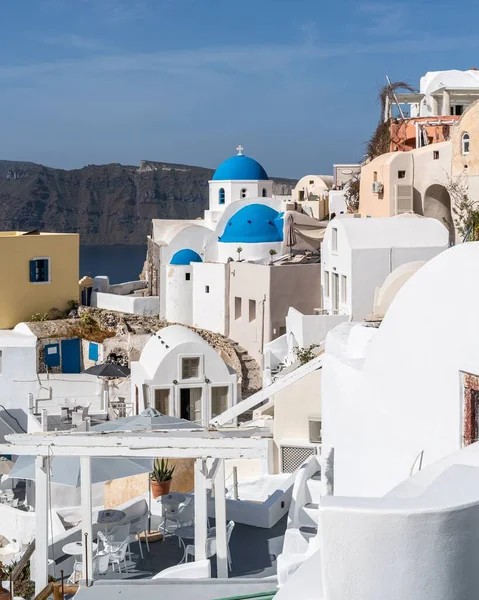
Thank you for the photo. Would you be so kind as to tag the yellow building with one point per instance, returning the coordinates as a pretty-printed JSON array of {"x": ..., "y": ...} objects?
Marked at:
[{"x": 38, "y": 272}]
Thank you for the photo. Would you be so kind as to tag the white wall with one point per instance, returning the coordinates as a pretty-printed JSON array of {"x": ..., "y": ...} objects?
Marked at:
[
  {"x": 178, "y": 293},
  {"x": 210, "y": 296},
  {"x": 134, "y": 305},
  {"x": 402, "y": 394},
  {"x": 337, "y": 202},
  {"x": 254, "y": 189}
]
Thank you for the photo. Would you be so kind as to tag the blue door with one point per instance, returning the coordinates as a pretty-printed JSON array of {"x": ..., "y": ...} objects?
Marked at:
[{"x": 71, "y": 356}]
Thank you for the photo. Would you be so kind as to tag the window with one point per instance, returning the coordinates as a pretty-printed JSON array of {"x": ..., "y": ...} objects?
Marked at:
[
  {"x": 237, "y": 308},
  {"x": 187, "y": 276},
  {"x": 219, "y": 400},
  {"x": 375, "y": 176},
  {"x": 401, "y": 174},
  {"x": 457, "y": 109},
  {"x": 282, "y": 330},
  {"x": 162, "y": 401},
  {"x": 252, "y": 310},
  {"x": 435, "y": 155},
  {"x": 344, "y": 290},
  {"x": 39, "y": 270},
  {"x": 315, "y": 428},
  {"x": 244, "y": 193},
  {"x": 264, "y": 193},
  {"x": 311, "y": 182},
  {"x": 326, "y": 284},
  {"x": 221, "y": 196},
  {"x": 334, "y": 240},
  {"x": 207, "y": 289},
  {"x": 190, "y": 368},
  {"x": 466, "y": 143}
]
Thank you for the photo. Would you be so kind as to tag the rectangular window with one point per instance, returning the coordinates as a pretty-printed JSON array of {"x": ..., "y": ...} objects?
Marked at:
[
  {"x": 39, "y": 270},
  {"x": 207, "y": 289},
  {"x": 93, "y": 351},
  {"x": 375, "y": 176},
  {"x": 344, "y": 291},
  {"x": 252, "y": 310},
  {"x": 237, "y": 308},
  {"x": 326, "y": 284},
  {"x": 435, "y": 155},
  {"x": 187, "y": 276},
  {"x": 219, "y": 400},
  {"x": 162, "y": 401},
  {"x": 401, "y": 174},
  {"x": 190, "y": 368},
  {"x": 311, "y": 182},
  {"x": 334, "y": 240}
]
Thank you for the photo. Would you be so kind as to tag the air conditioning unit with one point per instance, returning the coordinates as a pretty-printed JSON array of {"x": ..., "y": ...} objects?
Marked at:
[
  {"x": 293, "y": 456},
  {"x": 315, "y": 430},
  {"x": 378, "y": 187},
  {"x": 403, "y": 198}
]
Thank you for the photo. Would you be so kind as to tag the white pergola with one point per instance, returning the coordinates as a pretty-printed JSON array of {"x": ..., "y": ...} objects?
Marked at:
[{"x": 209, "y": 448}]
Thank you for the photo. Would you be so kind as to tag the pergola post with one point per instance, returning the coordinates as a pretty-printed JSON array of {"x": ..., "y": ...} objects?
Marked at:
[
  {"x": 220, "y": 519},
  {"x": 201, "y": 510},
  {"x": 42, "y": 465},
  {"x": 86, "y": 510}
]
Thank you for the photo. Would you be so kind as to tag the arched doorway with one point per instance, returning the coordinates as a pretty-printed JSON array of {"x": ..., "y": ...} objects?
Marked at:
[{"x": 437, "y": 204}]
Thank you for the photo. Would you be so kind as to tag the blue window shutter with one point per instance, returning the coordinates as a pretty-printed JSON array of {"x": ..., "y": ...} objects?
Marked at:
[
  {"x": 93, "y": 351},
  {"x": 45, "y": 269},
  {"x": 33, "y": 270}
]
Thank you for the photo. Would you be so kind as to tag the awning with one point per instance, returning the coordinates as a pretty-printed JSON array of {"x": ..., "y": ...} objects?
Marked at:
[{"x": 311, "y": 234}]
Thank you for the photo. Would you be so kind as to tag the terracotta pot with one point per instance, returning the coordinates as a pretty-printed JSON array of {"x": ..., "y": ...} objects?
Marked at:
[
  {"x": 160, "y": 488},
  {"x": 4, "y": 594}
]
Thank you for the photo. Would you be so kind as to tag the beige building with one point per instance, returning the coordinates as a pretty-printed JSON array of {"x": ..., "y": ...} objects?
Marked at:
[
  {"x": 261, "y": 295},
  {"x": 418, "y": 181},
  {"x": 39, "y": 272},
  {"x": 311, "y": 195}
]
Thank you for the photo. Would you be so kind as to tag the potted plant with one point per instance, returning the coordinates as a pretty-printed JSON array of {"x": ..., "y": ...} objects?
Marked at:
[
  {"x": 272, "y": 253},
  {"x": 161, "y": 477},
  {"x": 239, "y": 250}
]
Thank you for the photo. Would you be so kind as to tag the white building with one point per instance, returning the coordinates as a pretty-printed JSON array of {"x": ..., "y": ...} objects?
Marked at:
[
  {"x": 410, "y": 384},
  {"x": 443, "y": 93},
  {"x": 358, "y": 254},
  {"x": 179, "y": 374}
]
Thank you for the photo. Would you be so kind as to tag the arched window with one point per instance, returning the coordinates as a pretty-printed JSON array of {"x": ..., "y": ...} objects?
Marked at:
[
  {"x": 244, "y": 193},
  {"x": 466, "y": 141},
  {"x": 264, "y": 193},
  {"x": 222, "y": 195}
]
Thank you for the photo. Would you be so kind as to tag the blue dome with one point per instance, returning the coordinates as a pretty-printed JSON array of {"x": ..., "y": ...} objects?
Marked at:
[
  {"x": 185, "y": 257},
  {"x": 254, "y": 224},
  {"x": 240, "y": 168}
]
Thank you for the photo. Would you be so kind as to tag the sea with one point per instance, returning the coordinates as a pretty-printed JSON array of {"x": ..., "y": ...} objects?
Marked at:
[{"x": 120, "y": 263}]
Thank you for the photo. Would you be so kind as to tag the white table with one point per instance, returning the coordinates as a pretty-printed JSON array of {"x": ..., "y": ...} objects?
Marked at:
[
  {"x": 76, "y": 548},
  {"x": 109, "y": 516}
]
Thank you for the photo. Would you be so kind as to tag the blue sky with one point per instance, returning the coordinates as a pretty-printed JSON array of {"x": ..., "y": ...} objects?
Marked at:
[{"x": 295, "y": 82}]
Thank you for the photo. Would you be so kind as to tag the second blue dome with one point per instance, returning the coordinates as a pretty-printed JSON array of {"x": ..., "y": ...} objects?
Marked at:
[{"x": 254, "y": 223}]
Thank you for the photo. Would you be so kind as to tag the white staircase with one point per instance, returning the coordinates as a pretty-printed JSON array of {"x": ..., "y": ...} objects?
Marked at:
[{"x": 301, "y": 539}]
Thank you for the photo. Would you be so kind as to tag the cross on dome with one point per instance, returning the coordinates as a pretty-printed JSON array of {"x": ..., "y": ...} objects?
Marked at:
[{"x": 240, "y": 150}]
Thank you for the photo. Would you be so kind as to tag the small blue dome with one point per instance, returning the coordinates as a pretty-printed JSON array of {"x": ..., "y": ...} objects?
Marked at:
[
  {"x": 254, "y": 224},
  {"x": 185, "y": 257},
  {"x": 240, "y": 168}
]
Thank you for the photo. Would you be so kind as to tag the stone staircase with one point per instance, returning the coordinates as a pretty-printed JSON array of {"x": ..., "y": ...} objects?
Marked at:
[{"x": 251, "y": 377}]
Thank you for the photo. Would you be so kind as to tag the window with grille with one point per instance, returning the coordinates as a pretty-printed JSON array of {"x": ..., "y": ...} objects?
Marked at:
[
  {"x": 292, "y": 457},
  {"x": 162, "y": 401},
  {"x": 190, "y": 368},
  {"x": 40, "y": 270},
  {"x": 219, "y": 400}
]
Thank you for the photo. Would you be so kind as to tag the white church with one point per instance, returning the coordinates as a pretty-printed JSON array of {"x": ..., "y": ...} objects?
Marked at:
[{"x": 243, "y": 222}]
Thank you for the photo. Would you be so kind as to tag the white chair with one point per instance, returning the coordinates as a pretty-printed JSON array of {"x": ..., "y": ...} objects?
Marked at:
[
  {"x": 115, "y": 538},
  {"x": 78, "y": 416},
  {"x": 211, "y": 544},
  {"x": 137, "y": 527},
  {"x": 172, "y": 519},
  {"x": 119, "y": 556},
  {"x": 200, "y": 569},
  {"x": 100, "y": 567}
]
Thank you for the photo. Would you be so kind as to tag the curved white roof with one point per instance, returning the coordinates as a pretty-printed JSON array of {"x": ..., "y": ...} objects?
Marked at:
[
  {"x": 394, "y": 232},
  {"x": 455, "y": 79}
]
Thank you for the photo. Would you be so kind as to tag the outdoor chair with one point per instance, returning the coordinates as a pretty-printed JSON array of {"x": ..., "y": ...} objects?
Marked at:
[
  {"x": 115, "y": 538},
  {"x": 78, "y": 416},
  {"x": 100, "y": 567},
  {"x": 137, "y": 527},
  {"x": 173, "y": 519},
  {"x": 211, "y": 544},
  {"x": 119, "y": 556}
]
